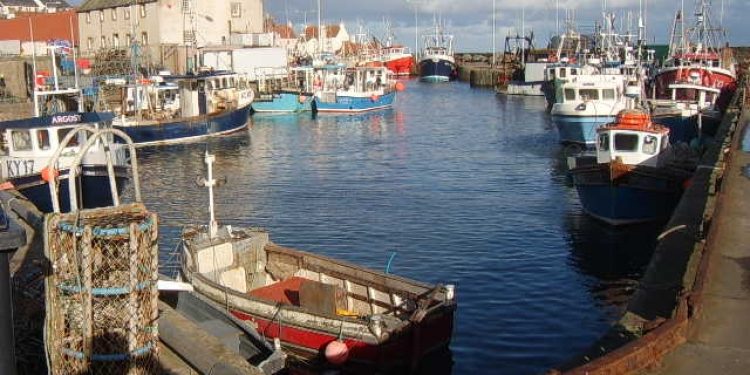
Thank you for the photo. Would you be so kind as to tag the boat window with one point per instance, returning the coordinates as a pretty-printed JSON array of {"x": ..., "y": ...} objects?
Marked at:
[
  {"x": 574, "y": 72},
  {"x": 589, "y": 94},
  {"x": 570, "y": 94},
  {"x": 21, "y": 140},
  {"x": 664, "y": 142},
  {"x": 649, "y": 145},
  {"x": 608, "y": 94},
  {"x": 562, "y": 73},
  {"x": 604, "y": 142},
  {"x": 42, "y": 138},
  {"x": 626, "y": 142},
  {"x": 61, "y": 133}
]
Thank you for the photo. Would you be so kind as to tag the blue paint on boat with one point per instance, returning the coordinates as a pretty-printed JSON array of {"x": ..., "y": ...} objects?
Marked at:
[
  {"x": 283, "y": 102},
  {"x": 579, "y": 129},
  {"x": 437, "y": 71},
  {"x": 93, "y": 187},
  {"x": 354, "y": 104},
  {"x": 187, "y": 130},
  {"x": 618, "y": 204},
  {"x": 685, "y": 128}
]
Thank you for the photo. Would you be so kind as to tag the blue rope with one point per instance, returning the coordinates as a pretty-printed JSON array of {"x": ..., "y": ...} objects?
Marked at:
[
  {"x": 105, "y": 232},
  {"x": 115, "y": 357},
  {"x": 390, "y": 260},
  {"x": 110, "y": 291}
]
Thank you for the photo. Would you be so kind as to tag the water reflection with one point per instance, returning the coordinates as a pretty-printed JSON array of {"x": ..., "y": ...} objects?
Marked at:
[{"x": 614, "y": 258}]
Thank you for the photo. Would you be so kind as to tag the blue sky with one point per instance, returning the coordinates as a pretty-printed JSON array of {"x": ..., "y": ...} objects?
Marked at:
[{"x": 471, "y": 20}]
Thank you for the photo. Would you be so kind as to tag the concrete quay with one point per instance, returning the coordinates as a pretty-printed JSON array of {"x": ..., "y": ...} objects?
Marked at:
[
  {"x": 689, "y": 313},
  {"x": 718, "y": 336}
]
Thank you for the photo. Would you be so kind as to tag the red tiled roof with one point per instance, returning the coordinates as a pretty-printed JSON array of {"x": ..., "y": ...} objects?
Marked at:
[
  {"x": 46, "y": 26},
  {"x": 331, "y": 31},
  {"x": 284, "y": 31}
]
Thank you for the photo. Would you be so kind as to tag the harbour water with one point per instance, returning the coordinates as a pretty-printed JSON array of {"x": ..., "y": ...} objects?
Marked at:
[{"x": 464, "y": 186}]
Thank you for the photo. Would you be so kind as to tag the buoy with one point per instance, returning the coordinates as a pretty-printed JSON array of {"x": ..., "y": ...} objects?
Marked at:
[
  {"x": 337, "y": 352},
  {"x": 400, "y": 86},
  {"x": 49, "y": 174},
  {"x": 374, "y": 98}
]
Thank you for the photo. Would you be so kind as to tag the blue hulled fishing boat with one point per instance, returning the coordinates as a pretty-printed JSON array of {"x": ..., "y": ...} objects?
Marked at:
[
  {"x": 178, "y": 109},
  {"x": 296, "y": 96},
  {"x": 634, "y": 177},
  {"x": 354, "y": 90},
  {"x": 31, "y": 143},
  {"x": 437, "y": 63}
]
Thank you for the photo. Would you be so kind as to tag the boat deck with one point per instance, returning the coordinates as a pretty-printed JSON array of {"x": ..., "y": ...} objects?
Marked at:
[{"x": 285, "y": 292}]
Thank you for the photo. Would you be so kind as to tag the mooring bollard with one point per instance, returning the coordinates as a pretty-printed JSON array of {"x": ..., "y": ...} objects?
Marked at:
[{"x": 12, "y": 236}]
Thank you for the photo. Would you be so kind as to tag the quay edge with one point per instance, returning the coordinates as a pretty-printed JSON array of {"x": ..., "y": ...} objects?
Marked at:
[{"x": 661, "y": 311}]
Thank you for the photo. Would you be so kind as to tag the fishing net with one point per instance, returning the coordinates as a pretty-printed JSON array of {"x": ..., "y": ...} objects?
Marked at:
[{"x": 101, "y": 291}]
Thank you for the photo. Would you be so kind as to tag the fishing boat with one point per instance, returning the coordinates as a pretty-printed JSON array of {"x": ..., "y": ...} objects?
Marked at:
[
  {"x": 587, "y": 102},
  {"x": 316, "y": 306},
  {"x": 353, "y": 90},
  {"x": 58, "y": 128},
  {"x": 437, "y": 63},
  {"x": 635, "y": 175},
  {"x": 209, "y": 104},
  {"x": 294, "y": 96},
  {"x": 695, "y": 54}
]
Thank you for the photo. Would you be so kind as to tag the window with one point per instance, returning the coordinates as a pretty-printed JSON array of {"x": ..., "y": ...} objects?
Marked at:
[
  {"x": 88, "y": 17},
  {"x": 143, "y": 10},
  {"x": 574, "y": 72},
  {"x": 128, "y": 38},
  {"x": 144, "y": 38},
  {"x": 126, "y": 13},
  {"x": 61, "y": 133},
  {"x": 563, "y": 73},
  {"x": 115, "y": 40},
  {"x": 649, "y": 144},
  {"x": 604, "y": 142},
  {"x": 114, "y": 14},
  {"x": 626, "y": 142},
  {"x": 104, "y": 41},
  {"x": 21, "y": 140},
  {"x": 236, "y": 10},
  {"x": 42, "y": 139},
  {"x": 664, "y": 142},
  {"x": 101, "y": 16},
  {"x": 570, "y": 94},
  {"x": 90, "y": 43},
  {"x": 589, "y": 94},
  {"x": 608, "y": 94}
]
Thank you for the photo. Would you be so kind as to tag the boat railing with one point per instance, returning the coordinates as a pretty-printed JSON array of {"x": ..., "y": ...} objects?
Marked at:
[{"x": 94, "y": 136}]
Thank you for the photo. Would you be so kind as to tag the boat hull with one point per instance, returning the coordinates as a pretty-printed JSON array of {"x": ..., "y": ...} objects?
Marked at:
[
  {"x": 437, "y": 70},
  {"x": 401, "y": 66},
  {"x": 633, "y": 197},
  {"x": 94, "y": 188},
  {"x": 284, "y": 102},
  {"x": 354, "y": 104},
  {"x": 433, "y": 334},
  {"x": 685, "y": 128},
  {"x": 579, "y": 129},
  {"x": 187, "y": 130}
]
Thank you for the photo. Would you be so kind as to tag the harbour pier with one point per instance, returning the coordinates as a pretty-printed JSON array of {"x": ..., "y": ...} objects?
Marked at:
[{"x": 687, "y": 316}]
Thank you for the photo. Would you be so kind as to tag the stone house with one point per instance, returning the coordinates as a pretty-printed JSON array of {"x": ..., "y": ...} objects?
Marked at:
[{"x": 335, "y": 37}]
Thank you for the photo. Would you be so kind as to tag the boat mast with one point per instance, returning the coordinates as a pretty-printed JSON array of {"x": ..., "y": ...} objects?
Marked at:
[
  {"x": 320, "y": 32},
  {"x": 494, "y": 26},
  {"x": 210, "y": 182}
]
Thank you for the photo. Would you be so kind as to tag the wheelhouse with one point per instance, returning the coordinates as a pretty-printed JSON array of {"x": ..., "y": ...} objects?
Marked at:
[{"x": 634, "y": 147}]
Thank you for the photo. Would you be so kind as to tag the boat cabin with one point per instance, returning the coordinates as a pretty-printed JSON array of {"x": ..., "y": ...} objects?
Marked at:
[
  {"x": 29, "y": 143},
  {"x": 601, "y": 91},
  {"x": 632, "y": 139},
  {"x": 563, "y": 72},
  {"x": 211, "y": 93},
  {"x": 364, "y": 80},
  {"x": 693, "y": 96}
]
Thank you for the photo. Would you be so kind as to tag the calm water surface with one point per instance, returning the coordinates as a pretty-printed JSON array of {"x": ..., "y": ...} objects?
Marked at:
[{"x": 464, "y": 186}]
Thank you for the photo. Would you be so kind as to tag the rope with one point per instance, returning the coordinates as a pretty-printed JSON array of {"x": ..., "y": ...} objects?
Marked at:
[{"x": 390, "y": 260}]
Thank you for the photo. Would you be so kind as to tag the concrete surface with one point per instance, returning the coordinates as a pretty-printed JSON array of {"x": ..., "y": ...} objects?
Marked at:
[{"x": 719, "y": 337}]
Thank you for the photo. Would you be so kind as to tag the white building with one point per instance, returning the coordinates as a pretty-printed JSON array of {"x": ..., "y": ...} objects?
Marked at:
[
  {"x": 112, "y": 23},
  {"x": 9, "y": 8}
]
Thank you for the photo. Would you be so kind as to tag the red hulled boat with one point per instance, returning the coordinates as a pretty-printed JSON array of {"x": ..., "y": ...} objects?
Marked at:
[
  {"x": 695, "y": 58},
  {"x": 317, "y": 307}
]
